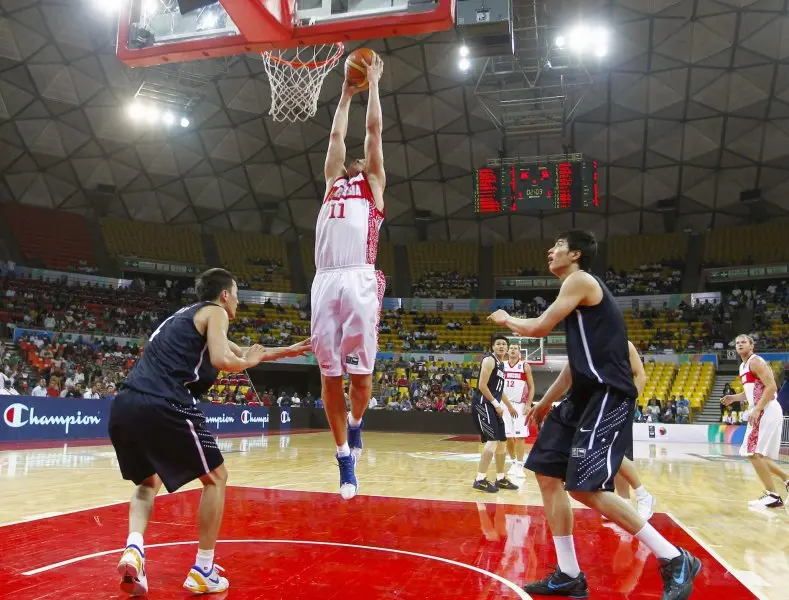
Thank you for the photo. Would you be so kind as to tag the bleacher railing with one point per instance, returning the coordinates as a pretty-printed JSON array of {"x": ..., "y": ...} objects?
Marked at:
[{"x": 785, "y": 433}]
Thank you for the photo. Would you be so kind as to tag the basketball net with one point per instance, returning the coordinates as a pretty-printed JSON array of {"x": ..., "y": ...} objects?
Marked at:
[{"x": 296, "y": 76}]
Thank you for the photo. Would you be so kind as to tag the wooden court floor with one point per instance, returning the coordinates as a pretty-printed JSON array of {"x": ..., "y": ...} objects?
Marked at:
[{"x": 417, "y": 530}]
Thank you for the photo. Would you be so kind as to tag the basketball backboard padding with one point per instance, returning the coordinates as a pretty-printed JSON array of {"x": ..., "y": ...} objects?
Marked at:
[{"x": 252, "y": 26}]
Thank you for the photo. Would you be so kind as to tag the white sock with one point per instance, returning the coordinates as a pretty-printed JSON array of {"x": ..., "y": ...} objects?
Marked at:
[
  {"x": 481, "y": 476},
  {"x": 343, "y": 450},
  {"x": 565, "y": 554},
  {"x": 641, "y": 492},
  {"x": 205, "y": 560},
  {"x": 500, "y": 476},
  {"x": 659, "y": 545},
  {"x": 136, "y": 540},
  {"x": 353, "y": 422}
]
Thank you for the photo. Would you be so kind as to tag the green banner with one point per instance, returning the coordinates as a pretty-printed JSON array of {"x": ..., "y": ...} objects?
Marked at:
[
  {"x": 527, "y": 283},
  {"x": 140, "y": 264},
  {"x": 744, "y": 273}
]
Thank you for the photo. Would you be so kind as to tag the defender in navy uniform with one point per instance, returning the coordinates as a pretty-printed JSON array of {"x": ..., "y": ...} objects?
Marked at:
[
  {"x": 584, "y": 439},
  {"x": 487, "y": 411},
  {"x": 158, "y": 430}
]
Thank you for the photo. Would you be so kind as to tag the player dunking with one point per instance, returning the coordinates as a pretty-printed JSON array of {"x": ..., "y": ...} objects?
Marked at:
[
  {"x": 627, "y": 476},
  {"x": 519, "y": 387},
  {"x": 159, "y": 432},
  {"x": 584, "y": 439},
  {"x": 762, "y": 443},
  {"x": 347, "y": 290},
  {"x": 488, "y": 404}
]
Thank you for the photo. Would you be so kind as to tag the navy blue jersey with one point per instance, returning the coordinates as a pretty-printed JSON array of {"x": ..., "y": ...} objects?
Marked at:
[
  {"x": 495, "y": 381},
  {"x": 175, "y": 363},
  {"x": 597, "y": 346}
]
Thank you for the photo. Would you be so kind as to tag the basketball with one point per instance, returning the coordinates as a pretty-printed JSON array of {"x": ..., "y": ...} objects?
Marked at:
[{"x": 355, "y": 71}]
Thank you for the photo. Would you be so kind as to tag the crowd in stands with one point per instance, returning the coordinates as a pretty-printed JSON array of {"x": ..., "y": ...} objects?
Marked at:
[
  {"x": 269, "y": 324},
  {"x": 425, "y": 385},
  {"x": 673, "y": 411},
  {"x": 68, "y": 368},
  {"x": 658, "y": 278},
  {"x": 704, "y": 326},
  {"x": 57, "y": 306},
  {"x": 72, "y": 366},
  {"x": 446, "y": 284},
  {"x": 770, "y": 308}
]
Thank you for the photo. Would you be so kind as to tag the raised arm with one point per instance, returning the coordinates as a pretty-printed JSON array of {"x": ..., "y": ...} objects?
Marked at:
[
  {"x": 335, "y": 156},
  {"x": 578, "y": 289},
  {"x": 373, "y": 144}
]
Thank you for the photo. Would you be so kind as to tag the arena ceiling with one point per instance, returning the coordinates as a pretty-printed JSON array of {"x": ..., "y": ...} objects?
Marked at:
[{"x": 692, "y": 104}]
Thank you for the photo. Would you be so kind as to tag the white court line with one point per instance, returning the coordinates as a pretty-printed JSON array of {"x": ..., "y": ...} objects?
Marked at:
[
  {"x": 49, "y": 515},
  {"x": 518, "y": 591},
  {"x": 711, "y": 551}
]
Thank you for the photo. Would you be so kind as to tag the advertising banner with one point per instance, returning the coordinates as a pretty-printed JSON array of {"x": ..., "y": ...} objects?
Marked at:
[
  {"x": 25, "y": 418},
  {"x": 716, "y": 433}
]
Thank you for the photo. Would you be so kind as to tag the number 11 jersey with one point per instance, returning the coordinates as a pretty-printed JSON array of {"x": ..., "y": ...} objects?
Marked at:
[{"x": 346, "y": 233}]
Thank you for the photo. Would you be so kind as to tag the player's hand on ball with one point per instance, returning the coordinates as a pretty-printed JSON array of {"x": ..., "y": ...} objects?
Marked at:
[
  {"x": 348, "y": 88},
  {"x": 375, "y": 68},
  {"x": 499, "y": 317}
]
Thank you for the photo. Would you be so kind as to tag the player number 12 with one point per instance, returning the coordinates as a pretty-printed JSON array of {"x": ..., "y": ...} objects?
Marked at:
[{"x": 339, "y": 213}]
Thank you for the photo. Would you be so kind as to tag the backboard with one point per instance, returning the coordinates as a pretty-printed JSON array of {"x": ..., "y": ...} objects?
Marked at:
[
  {"x": 154, "y": 32},
  {"x": 532, "y": 349}
]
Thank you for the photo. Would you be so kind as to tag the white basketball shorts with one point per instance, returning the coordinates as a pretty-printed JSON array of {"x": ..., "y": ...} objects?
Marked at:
[
  {"x": 765, "y": 437},
  {"x": 516, "y": 427},
  {"x": 346, "y": 307}
]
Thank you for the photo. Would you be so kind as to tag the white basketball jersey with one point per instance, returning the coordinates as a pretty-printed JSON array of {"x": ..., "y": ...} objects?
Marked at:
[
  {"x": 346, "y": 234},
  {"x": 516, "y": 387},
  {"x": 752, "y": 385}
]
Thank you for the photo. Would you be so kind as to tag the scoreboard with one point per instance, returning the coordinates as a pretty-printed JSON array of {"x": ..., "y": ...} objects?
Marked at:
[{"x": 517, "y": 188}]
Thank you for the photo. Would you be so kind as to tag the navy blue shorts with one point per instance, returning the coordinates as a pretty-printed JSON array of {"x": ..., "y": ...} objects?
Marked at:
[
  {"x": 584, "y": 439},
  {"x": 487, "y": 421},
  {"x": 153, "y": 435}
]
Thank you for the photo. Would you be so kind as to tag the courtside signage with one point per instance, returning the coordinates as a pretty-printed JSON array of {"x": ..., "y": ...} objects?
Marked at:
[{"x": 45, "y": 419}]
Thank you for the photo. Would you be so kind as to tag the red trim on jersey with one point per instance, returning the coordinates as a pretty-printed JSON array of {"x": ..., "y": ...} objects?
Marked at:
[
  {"x": 381, "y": 281},
  {"x": 525, "y": 394},
  {"x": 753, "y": 437},
  {"x": 330, "y": 192},
  {"x": 748, "y": 377},
  {"x": 374, "y": 221}
]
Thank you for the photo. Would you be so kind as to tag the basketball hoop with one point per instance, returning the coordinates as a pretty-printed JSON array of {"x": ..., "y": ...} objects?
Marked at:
[{"x": 296, "y": 76}]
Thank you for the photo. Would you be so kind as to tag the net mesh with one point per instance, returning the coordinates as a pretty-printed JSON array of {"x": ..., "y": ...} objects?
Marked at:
[{"x": 296, "y": 76}]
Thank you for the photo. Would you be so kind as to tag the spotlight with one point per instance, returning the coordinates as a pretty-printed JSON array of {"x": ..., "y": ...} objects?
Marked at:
[
  {"x": 168, "y": 118},
  {"x": 601, "y": 51},
  {"x": 152, "y": 114},
  {"x": 464, "y": 64},
  {"x": 150, "y": 6},
  {"x": 579, "y": 38},
  {"x": 464, "y": 51},
  {"x": 560, "y": 41},
  {"x": 184, "y": 122},
  {"x": 136, "y": 110}
]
